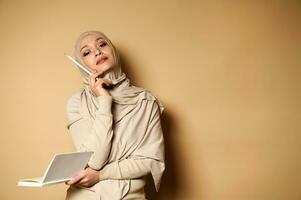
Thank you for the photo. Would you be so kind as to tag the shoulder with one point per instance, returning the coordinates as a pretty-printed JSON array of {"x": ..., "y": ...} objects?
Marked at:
[
  {"x": 73, "y": 102},
  {"x": 154, "y": 101},
  {"x": 143, "y": 93},
  {"x": 73, "y": 108},
  {"x": 150, "y": 96}
]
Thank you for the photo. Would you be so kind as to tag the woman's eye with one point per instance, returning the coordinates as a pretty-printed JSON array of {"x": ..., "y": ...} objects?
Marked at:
[
  {"x": 102, "y": 44},
  {"x": 86, "y": 53}
]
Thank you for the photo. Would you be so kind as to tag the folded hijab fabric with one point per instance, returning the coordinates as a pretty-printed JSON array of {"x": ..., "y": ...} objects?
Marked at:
[{"x": 123, "y": 130}]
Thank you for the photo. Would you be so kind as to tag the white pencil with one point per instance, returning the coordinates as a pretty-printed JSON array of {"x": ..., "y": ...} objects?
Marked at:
[{"x": 78, "y": 64}]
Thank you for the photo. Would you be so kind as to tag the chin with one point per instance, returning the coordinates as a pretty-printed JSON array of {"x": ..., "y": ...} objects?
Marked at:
[
  {"x": 102, "y": 70},
  {"x": 106, "y": 68}
]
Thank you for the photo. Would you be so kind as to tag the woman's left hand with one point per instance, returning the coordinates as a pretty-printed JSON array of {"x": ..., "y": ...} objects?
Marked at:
[{"x": 85, "y": 178}]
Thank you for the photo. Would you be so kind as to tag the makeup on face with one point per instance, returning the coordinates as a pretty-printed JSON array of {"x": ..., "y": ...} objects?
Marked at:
[
  {"x": 87, "y": 49},
  {"x": 96, "y": 53}
]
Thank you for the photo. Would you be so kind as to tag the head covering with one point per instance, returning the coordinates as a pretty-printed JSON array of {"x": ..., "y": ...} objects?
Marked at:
[
  {"x": 129, "y": 103},
  {"x": 122, "y": 92},
  {"x": 116, "y": 75}
]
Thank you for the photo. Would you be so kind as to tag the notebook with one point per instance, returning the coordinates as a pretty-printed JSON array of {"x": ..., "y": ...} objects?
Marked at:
[{"x": 61, "y": 168}]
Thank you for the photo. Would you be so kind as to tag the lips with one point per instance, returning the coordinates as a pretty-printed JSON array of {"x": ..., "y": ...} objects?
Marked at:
[{"x": 101, "y": 60}]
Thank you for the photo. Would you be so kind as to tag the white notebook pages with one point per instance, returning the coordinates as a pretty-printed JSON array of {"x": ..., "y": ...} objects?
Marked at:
[{"x": 61, "y": 168}]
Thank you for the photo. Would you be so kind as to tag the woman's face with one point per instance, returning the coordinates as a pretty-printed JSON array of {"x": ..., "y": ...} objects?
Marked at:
[{"x": 96, "y": 53}]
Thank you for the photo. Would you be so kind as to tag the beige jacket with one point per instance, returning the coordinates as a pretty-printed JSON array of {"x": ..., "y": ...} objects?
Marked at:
[{"x": 125, "y": 149}]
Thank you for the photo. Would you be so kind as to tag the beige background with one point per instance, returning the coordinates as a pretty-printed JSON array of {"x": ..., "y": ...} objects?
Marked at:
[{"x": 228, "y": 73}]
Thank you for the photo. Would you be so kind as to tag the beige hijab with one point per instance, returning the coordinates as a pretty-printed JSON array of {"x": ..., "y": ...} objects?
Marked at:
[{"x": 126, "y": 102}]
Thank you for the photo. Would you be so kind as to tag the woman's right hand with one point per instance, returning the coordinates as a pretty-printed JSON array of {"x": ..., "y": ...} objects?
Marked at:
[
  {"x": 85, "y": 178},
  {"x": 97, "y": 85}
]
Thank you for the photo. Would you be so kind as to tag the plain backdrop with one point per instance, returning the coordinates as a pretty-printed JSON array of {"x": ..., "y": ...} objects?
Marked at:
[{"x": 227, "y": 72}]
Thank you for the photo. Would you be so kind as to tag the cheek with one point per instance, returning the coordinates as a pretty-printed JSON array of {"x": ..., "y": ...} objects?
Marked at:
[
  {"x": 88, "y": 62},
  {"x": 110, "y": 53}
]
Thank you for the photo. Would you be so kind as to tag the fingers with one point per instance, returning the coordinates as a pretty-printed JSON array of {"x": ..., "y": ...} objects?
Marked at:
[
  {"x": 97, "y": 83},
  {"x": 99, "y": 86},
  {"x": 104, "y": 83},
  {"x": 93, "y": 78},
  {"x": 91, "y": 178},
  {"x": 76, "y": 178},
  {"x": 83, "y": 182},
  {"x": 85, "y": 178},
  {"x": 107, "y": 82}
]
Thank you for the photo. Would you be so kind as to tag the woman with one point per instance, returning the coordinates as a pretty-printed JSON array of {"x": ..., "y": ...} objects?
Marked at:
[{"x": 119, "y": 122}]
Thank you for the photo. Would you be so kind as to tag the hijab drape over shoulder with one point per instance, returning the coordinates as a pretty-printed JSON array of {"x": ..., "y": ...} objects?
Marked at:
[{"x": 134, "y": 111}]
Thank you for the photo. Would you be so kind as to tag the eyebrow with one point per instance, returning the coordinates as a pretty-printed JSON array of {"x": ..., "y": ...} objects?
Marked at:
[{"x": 96, "y": 40}]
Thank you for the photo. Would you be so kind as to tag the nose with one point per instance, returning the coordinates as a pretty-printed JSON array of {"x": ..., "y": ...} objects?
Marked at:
[{"x": 97, "y": 52}]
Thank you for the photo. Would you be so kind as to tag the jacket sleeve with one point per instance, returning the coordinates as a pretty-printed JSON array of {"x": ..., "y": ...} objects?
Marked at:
[
  {"x": 130, "y": 168},
  {"x": 92, "y": 135},
  {"x": 152, "y": 146},
  {"x": 148, "y": 158}
]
